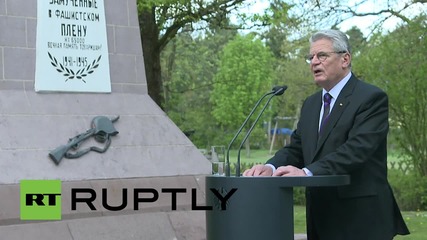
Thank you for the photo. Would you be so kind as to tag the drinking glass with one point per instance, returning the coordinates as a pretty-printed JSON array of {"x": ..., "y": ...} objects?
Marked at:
[{"x": 218, "y": 160}]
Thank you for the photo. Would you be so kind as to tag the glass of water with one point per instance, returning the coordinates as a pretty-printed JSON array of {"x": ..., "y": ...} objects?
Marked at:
[{"x": 218, "y": 160}]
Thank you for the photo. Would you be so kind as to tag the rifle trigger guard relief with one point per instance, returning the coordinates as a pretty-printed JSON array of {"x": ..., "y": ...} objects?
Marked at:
[{"x": 103, "y": 128}]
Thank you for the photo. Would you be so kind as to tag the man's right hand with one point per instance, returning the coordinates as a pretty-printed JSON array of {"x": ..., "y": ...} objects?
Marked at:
[{"x": 258, "y": 170}]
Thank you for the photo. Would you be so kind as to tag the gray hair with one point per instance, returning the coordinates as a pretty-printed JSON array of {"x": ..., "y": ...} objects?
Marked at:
[{"x": 339, "y": 39}]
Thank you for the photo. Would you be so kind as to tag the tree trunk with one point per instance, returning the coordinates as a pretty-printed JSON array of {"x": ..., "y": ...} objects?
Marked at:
[{"x": 151, "y": 53}]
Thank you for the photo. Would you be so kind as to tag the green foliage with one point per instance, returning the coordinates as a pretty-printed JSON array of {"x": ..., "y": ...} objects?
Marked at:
[
  {"x": 300, "y": 219},
  {"x": 281, "y": 26},
  {"x": 397, "y": 63},
  {"x": 356, "y": 39},
  {"x": 417, "y": 222},
  {"x": 293, "y": 71},
  {"x": 409, "y": 189},
  {"x": 192, "y": 70},
  {"x": 160, "y": 22},
  {"x": 299, "y": 196},
  {"x": 189, "y": 65},
  {"x": 245, "y": 71},
  {"x": 172, "y": 15}
]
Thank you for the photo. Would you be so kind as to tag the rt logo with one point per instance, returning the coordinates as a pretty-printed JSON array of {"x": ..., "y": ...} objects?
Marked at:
[{"x": 40, "y": 199}]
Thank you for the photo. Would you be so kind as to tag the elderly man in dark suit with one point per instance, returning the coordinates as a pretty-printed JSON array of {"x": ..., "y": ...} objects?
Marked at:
[{"x": 342, "y": 130}]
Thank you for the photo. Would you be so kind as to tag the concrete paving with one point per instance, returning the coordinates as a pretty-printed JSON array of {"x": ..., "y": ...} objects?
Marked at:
[{"x": 155, "y": 226}]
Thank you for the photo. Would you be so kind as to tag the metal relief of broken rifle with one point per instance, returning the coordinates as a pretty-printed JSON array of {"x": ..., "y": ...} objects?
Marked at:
[{"x": 102, "y": 129}]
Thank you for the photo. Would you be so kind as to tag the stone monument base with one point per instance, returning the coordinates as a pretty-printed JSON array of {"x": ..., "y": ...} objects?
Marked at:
[{"x": 154, "y": 220}]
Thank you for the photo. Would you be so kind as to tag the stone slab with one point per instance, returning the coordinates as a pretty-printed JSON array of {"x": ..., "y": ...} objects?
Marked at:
[
  {"x": 152, "y": 221},
  {"x": 189, "y": 225},
  {"x": 124, "y": 227},
  {"x": 114, "y": 189},
  {"x": 45, "y": 231},
  {"x": 182, "y": 225},
  {"x": 33, "y": 124}
]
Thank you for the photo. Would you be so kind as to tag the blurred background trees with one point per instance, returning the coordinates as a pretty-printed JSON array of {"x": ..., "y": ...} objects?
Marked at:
[{"x": 207, "y": 62}]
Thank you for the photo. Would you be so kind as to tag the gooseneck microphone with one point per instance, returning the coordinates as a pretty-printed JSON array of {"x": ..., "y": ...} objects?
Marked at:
[
  {"x": 277, "y": 91},
  {"x": 227, "y": 172}
]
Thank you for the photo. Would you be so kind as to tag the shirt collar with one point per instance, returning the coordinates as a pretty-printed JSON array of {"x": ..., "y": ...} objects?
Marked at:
[{"x": 335, "y": 91}]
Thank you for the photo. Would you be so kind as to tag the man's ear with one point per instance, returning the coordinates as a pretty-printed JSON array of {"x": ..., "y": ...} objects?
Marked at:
[{"x": 346, "y": 60}]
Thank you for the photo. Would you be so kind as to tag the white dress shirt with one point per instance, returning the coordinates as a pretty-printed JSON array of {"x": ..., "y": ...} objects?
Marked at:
[{"x": 334, "y": 92}]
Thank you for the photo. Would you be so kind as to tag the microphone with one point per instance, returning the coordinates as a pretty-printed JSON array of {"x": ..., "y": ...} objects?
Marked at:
[{"x": 277, "y": 91}]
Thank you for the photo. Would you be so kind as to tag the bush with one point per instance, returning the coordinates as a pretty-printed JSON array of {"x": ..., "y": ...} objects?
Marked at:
[
  {"x": 299, "y": 196},
  {"x": 409, "y": 189}
]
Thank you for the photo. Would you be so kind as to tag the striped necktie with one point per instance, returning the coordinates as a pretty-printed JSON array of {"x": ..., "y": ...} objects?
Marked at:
[{"x": 326, "y": 109}]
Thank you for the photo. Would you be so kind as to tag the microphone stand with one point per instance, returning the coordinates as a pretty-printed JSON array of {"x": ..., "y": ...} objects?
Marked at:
[
  {"x": 247, "y": 135},
  {"x": 227, "y": 172}
]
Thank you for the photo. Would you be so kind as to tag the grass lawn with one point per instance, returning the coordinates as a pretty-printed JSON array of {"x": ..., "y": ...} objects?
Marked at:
[
  {"x": 417, "y": 224},
  {"x": 299, "y": 219},
  {"x": 261, "y": 156},
  {"x": 416, "y": 221},
  {"x": 256, "y": 156}
]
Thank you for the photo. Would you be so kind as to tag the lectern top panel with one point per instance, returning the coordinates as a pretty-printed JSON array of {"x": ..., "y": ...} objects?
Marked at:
[{"x": 294, "y": 181}]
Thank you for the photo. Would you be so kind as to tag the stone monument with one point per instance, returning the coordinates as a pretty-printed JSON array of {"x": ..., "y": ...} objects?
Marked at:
[{"x": 149, "y": 151}]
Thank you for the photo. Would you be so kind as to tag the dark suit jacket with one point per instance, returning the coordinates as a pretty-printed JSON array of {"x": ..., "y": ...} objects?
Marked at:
[{"x": 354, "y": 142}]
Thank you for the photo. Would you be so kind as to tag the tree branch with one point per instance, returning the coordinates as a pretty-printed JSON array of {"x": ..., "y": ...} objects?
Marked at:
[{"x": 185, "y": 15}]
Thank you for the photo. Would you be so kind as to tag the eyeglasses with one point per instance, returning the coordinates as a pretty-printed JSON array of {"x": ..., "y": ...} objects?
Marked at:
[{"x": 322, "y": 56}]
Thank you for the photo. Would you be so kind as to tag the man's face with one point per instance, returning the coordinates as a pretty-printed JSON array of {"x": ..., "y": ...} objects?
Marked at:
[{"x": 334, "y": 67}]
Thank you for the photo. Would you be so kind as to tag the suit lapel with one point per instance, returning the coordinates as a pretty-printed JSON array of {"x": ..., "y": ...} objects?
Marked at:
[
  {"x": 312, "y": 126},
  {"x": 339, "y": 107}
]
